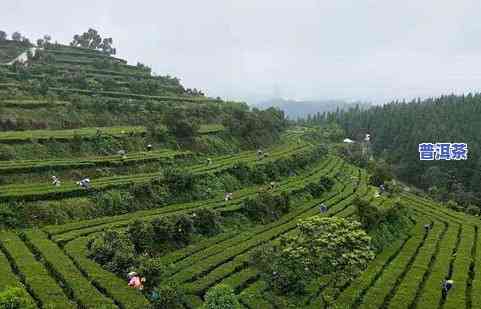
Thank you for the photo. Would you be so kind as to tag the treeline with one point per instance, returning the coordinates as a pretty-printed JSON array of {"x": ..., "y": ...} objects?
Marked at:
[
  {"x": 16, "y": 37},
  {"x": 398, "y": 128}
]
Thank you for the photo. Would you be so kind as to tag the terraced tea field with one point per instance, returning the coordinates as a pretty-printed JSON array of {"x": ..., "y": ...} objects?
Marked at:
[
  {"x": 70, "y": 188},
  {"x": 26, "y": 136},
  {"x": 51, "y": 263},
  {"x": 58, "y": 252}
]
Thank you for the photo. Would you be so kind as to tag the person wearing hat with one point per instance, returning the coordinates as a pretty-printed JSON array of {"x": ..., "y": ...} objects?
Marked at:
[{"x": 135, "y": 281}]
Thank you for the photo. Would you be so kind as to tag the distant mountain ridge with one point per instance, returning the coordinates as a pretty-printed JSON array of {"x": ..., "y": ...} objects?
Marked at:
[{"x": 301, "y": 109}]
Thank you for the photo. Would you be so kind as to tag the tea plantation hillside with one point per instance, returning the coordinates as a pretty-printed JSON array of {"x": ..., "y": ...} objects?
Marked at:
[{"x": 110, "y": 173}]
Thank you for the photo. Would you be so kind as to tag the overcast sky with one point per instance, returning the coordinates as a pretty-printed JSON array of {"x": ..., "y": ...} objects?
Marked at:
[{"x": 257, "y": 49}]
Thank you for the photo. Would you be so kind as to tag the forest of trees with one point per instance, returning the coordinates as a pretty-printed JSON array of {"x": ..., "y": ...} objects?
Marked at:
[{"x": 398, "y": 128}]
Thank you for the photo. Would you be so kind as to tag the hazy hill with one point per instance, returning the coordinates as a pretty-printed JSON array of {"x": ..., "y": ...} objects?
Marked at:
[{"x": 300, "y": 109}]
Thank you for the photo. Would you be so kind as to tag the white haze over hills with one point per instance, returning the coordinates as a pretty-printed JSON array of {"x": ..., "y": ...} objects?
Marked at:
[{"x": 296, "y": 109}]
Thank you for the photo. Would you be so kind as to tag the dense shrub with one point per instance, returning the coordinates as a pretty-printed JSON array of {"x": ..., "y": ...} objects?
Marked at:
[
  {"x": 10, "y": 216},
  {"x": 229, "y": 183},
  {"x": 323, "y": 246},
  {"x": 241, "y": 171},
  {"x": 317, "y": 188},
  {"x": 170, "y": 296},
  {"x": 381, "y": 173},
  {"x": 272, "y": 170},
  {"x": 163, "y": 228},
  {"x": 258, "y": 176},
  {"x": 384, "y": 225},
  {"x": 256, "y": 128},
  {"x": 113, "y": 250},
  {"x": 181, "y": 126},
  {"x": 158, "y": 133},
  {"x": 369, "y": 215},
  {"x": 206, "y": 221},
  {"x": 183, "y": 228},
  {"x": 140, "y": 234},
  {"x": 7, "y": 152},
  {"x": 153, "y": 270},
  {"x": 149, "y": 194},
  {"x": 266, "y": 207},
  {"x": 221, "y": 296},
  {"x": 179, "y": 182},
  {"x": 175, "y": 230},
  {"x": 283, "y": 275}
]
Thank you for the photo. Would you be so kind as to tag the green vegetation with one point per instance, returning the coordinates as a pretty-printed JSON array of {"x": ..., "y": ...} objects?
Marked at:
[
  {"x": 92, "y": 40},
  {"x": 19, "y": 136},
  {"x": 220, "y": 297},
  {"x": 15, "y": 298},
  {"x": 321, "y": 247},
  {"x": 398, "y": 128},
  {"x": 232, "y": 207},
  {"x": 9, "y": 49}
]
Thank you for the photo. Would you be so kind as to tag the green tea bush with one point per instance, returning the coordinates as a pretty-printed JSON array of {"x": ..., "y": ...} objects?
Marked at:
[
  {"x": 221, "y": 296},
  {"x": 10, "y": 217},
  {"x": 317, "y": 188},
  {"x": 7, "y": 152},
  {"x": 15, "y": 298},
  {"x": 169, "y": 296}
]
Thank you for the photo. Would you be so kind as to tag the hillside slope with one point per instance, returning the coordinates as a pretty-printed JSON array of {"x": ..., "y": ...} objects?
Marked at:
[
  {"x": 186, "y": 190},
  {"x": 397, "y": 129}
]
